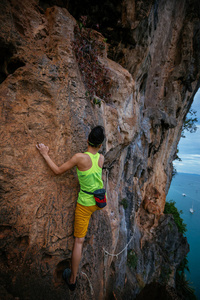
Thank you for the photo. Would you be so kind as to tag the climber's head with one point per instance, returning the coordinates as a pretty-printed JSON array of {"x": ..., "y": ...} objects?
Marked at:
[{"x": 96, "y": 137}]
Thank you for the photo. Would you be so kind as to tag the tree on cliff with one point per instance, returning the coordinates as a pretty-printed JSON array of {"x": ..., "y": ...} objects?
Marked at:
[{"x": 189, "y": 123}]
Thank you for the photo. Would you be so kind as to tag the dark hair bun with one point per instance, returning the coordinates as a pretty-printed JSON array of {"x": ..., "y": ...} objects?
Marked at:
[{"x": 96, "y": 136}]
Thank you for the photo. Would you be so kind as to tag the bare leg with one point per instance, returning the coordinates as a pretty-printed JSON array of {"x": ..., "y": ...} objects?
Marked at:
[{"x": 76, "y": 258}]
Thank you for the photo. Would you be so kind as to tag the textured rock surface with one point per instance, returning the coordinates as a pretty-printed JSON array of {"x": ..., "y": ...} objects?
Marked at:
[{"x": 154, "y": 66}]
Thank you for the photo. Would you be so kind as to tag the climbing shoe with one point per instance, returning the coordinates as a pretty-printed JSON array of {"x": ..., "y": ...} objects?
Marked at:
[{"x": 66, "y": 277}]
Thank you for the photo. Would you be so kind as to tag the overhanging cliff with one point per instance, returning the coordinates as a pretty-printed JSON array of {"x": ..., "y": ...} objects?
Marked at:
[{"x": 152, "y": 55}]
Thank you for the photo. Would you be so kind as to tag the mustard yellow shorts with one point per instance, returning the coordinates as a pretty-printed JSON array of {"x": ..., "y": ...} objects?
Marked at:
[{"x": 82, "y": 218}]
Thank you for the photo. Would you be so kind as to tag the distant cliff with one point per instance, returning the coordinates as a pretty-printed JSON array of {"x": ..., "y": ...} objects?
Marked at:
[{"x": 151, "y": 53}]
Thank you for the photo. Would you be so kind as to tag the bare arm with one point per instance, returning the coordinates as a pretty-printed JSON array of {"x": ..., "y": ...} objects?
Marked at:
[{"x": 57, "y": 170}]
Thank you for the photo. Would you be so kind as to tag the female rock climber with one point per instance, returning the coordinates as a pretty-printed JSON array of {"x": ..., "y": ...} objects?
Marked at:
[{"x": 89, "y": 170}]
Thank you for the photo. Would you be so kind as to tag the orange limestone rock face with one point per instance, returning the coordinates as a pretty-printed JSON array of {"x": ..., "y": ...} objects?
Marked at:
[{"x": 151, "y": 54}]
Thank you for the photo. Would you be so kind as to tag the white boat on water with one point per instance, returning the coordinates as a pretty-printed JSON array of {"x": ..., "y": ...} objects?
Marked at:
[
  {"x": 183, "y": 195},
  {"x": 191, "y": 210}
]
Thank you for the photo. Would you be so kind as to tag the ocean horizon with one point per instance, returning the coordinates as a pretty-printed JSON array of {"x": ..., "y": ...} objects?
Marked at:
[{"x": 185, "y": 191}]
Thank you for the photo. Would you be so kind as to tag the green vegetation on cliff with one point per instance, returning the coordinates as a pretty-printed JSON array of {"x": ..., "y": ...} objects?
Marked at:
[
  {"x": 170, "y": 208},
  {"x": 182, "y": 284}
]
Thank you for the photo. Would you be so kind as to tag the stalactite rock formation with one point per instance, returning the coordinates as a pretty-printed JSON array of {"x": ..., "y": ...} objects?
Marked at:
[{"x": 154, "y": 62}]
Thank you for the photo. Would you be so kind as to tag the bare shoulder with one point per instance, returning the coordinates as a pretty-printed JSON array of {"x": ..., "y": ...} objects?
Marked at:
[
  {"x": 79, "y": 156},
  {"x": 101, "y": 161},
  {"x": 101, "y": 157},
  {"x": 82, "y": 158}
]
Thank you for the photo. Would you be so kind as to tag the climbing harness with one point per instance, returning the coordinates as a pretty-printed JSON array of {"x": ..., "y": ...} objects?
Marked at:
[{"x": 99, "y": 196}]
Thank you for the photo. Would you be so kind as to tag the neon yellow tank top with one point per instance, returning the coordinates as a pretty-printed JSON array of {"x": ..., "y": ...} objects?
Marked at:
[{"x": 90, "y": 181}]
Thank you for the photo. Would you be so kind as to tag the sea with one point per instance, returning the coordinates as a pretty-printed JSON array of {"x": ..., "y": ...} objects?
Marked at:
[{"x": 185, "y": 191}]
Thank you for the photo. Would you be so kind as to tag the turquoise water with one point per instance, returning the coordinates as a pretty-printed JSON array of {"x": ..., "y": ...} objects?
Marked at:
[{"x": 189, "y": 184}]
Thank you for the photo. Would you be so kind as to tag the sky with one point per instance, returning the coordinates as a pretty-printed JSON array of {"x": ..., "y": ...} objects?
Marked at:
[{"x": 189, "y": 147}]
